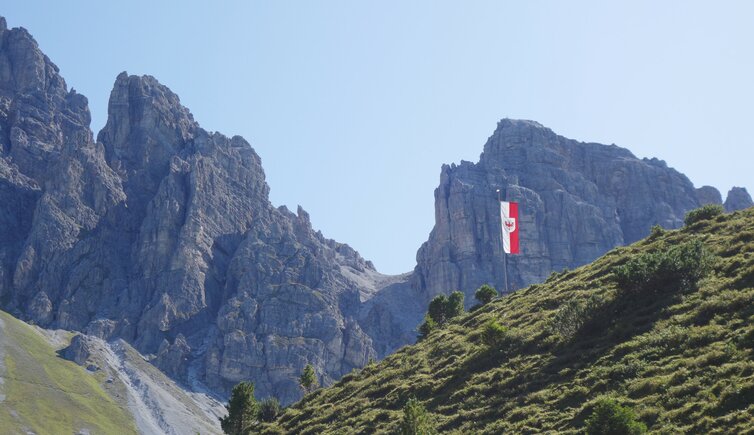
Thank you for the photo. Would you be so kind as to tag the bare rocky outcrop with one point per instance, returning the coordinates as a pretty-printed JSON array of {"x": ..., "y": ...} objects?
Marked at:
[
  {"x": 708, "y": 195},
  {"x": 738, "y": 199}
]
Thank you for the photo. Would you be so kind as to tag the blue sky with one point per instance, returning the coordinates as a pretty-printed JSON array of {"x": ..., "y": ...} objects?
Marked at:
[{"x": 354, "y": 106}]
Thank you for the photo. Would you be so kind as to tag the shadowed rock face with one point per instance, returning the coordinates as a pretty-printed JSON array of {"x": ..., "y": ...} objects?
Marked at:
[{"x": 162, "y": 234}]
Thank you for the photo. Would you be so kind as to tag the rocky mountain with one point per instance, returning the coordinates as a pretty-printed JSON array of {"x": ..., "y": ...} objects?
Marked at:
[
  {"x": 577, "y": 201},
  {"x": 162, "y": 235}
]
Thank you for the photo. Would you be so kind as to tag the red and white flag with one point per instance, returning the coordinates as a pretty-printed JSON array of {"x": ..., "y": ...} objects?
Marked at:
[{"x": 509, "y": 219}]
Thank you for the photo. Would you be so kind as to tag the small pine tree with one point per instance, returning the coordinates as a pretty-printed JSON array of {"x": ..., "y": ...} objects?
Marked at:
[
  {"x": 610, "y": 418},
  {"x": 416, "y": 420},
  {"x": 454, "y": 306},
  {"x": 308, "y": 379},
  {"x": 426, "y": 327},
  {"x": 242, "y": 409},
  {"x": 485, "y": 294},
  {"x": 269, "y": 409},
  {"x": 437, "y": 310}
]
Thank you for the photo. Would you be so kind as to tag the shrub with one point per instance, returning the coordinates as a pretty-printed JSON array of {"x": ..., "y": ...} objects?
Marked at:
[
  {"x": 610, "y": 418},
  {"x": 668, "y": 270},
  {"x": 703, "y": 213},
  {"x": 416, "y": 420},
  {"x": 454, "y": 307},
  {"x": 427, "y": 327},
  {"x": 308, "y": 379},
  {"x": 437, "y": 310},
  {"x": 269, "y": 409},
  {"x": 485, "y": 294},
  {"x": 494, "y": 334},
  {"x": 572, "y": 316},
  {"x": 443, "y": 308},
  {"x": 656, "y": 232}
]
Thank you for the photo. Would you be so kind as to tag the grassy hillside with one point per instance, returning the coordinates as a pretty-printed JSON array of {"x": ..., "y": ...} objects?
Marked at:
[
  {"x": 44, "y": 394},
  {"x": 677, "y": 351}
]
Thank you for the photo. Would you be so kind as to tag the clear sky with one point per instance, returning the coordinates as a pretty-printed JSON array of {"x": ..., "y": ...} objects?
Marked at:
[{"x": 354, "y": 105}]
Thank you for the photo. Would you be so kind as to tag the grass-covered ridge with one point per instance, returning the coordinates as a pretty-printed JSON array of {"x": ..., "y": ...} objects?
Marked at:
[
  {"x": 42, "y": 393},
  {"x": 678, "y": 355}
]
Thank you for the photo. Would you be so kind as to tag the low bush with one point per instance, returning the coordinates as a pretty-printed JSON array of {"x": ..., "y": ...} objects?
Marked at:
[
  {"x": 703, "y": 213},
  {"x": 610, "y": 418},
  {"x": 665, "y": 271},
  {"x": 572, "y": 316},
  {"x": 485, "y": 294},
  {"x": 494, "y": 334},
  {"x": 269, "y": 409}
]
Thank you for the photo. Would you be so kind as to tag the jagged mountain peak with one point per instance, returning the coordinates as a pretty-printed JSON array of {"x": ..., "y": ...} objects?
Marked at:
[{"x": 738, "y": 198}]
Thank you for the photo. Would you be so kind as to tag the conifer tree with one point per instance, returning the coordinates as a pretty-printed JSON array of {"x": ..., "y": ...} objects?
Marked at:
[
  {"x": 308, "y": 379},
  {"x": 242, "y": 409},
  {"x": 416, "y": 420}
]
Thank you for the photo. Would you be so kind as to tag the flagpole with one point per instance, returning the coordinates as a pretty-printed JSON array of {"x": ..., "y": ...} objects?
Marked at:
[{"x": 502, "y": 248}]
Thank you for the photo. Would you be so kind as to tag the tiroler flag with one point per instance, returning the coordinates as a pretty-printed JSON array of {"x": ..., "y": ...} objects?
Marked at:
[{"x": 509, "y": 219}]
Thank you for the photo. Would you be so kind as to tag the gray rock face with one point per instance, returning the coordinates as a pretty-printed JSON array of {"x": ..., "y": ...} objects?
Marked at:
[
  {"x": 577, "y": 201},
  {"x": 162, "y": 234},
  {"x": 80, "y": 350},
  {"x": 708, "y": 195},
  {"x": 738, "y": 199}
]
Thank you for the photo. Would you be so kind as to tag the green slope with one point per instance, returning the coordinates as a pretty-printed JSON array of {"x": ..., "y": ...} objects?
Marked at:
[
  {"x": 682, "y": 359},
  {"x": 46, "y": 394}
]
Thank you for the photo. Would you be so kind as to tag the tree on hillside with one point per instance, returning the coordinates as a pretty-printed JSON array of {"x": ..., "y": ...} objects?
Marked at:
[
  {"x": 441, "y": 309},
  {"x": 454, "y": 307},
  {"x": 308, "y": 379},
  {"x": 242, "y": 410},
  {"x": 438, "y": 309},
  {"x": 426, "y": 327},
  {"x": 610, "y": 418},
  {"x": 416, "y": 420},
  {"x": 269, "y": 409},
  {"x": 485, "y": 294}
]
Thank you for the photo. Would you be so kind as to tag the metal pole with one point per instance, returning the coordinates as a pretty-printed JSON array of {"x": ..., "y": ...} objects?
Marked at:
[{"x": 502, "y": 248}]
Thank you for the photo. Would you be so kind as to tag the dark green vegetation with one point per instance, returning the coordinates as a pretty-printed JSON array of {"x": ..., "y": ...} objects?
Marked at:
[
  {"x": 441, "y": 309},
  {"x": 269, "y": 409},
  {"x": 308, "y": 380},
  {"x": 485, "y": 294},
  {"x": 45, "y": 394},
  {"x": 703, "y": 213},
  {"x": 416, "y": 419},
  {"x": 243, "y": 410},
  {"x": 676, "y": 355},
  {"x": 610, "y": 418}
]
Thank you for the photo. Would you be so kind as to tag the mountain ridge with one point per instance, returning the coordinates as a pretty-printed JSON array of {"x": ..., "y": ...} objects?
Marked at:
[{"x": 162, "y": 234}]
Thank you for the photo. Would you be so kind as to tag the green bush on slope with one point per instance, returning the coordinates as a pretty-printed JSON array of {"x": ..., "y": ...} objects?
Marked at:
[
  {"x": 703, "y": 213},
  {"x": 610, "y": 418}
]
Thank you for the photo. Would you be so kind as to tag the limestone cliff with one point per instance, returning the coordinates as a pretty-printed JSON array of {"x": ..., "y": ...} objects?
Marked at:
[
  {"x": 577, "y": 201},
  {"x": 162, "y": 234}
]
